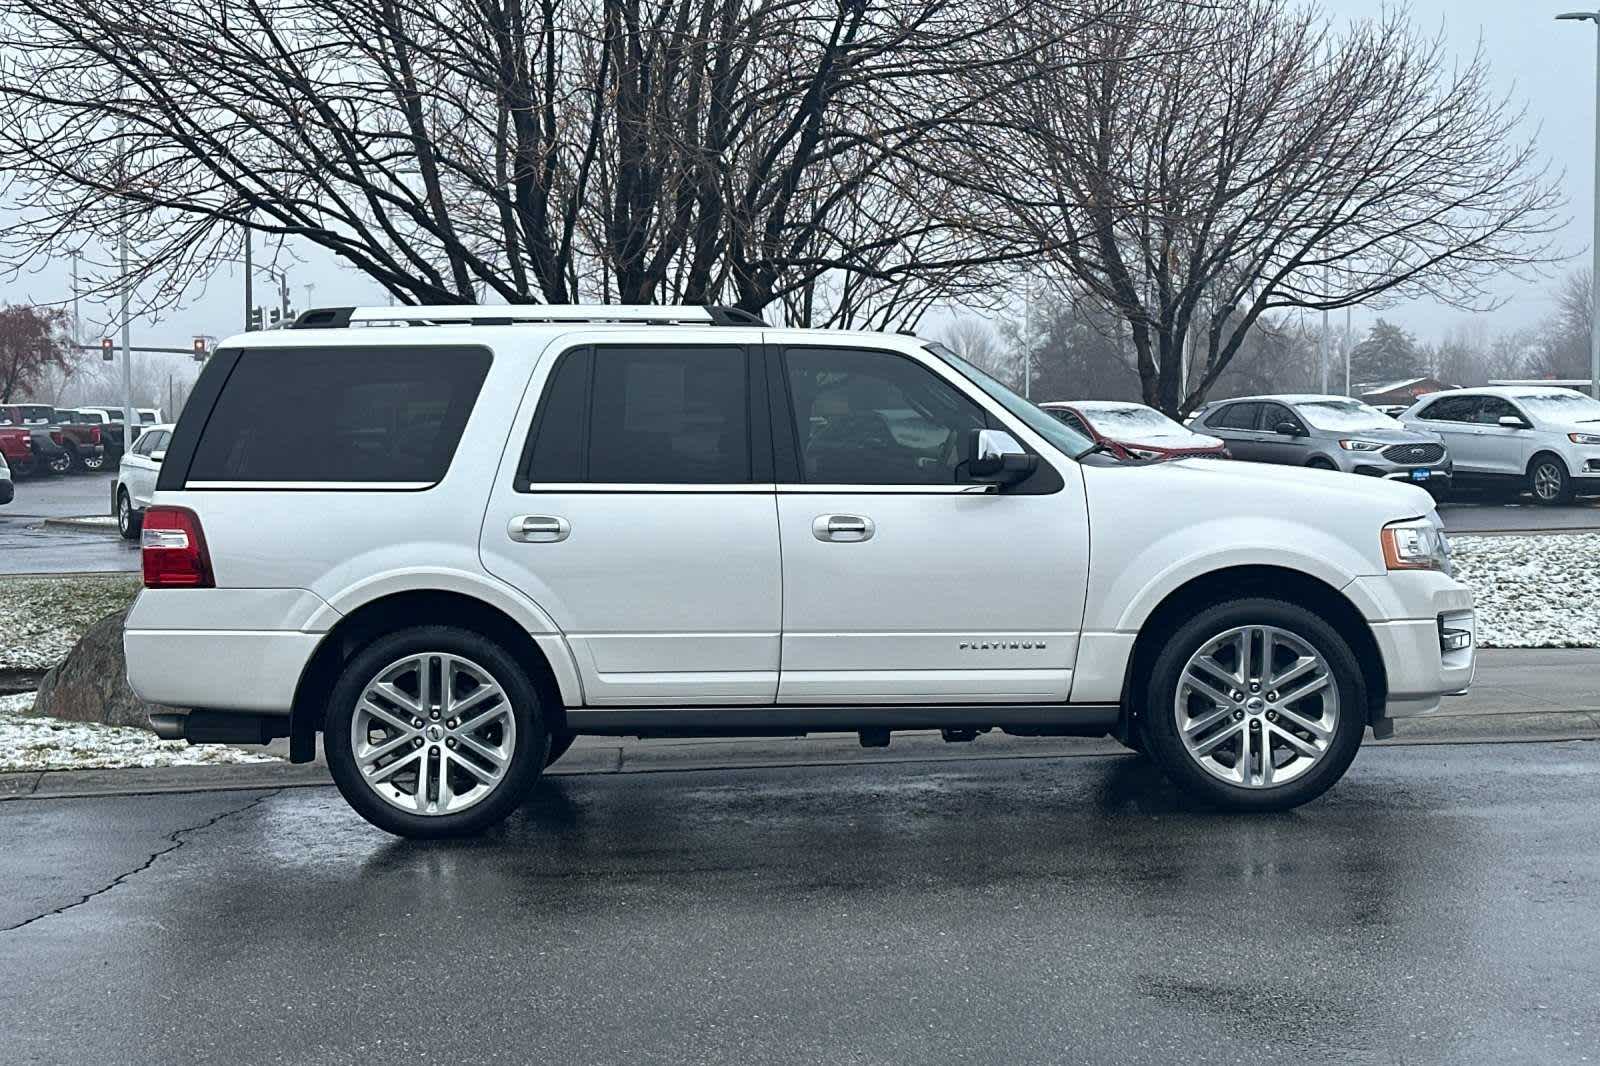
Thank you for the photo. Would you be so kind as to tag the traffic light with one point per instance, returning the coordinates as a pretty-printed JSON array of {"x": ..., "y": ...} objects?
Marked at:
[
  {"x": 106, "y": 349},
  {"x": 255, "y": 319},
  {"x": 277, "y": 318},
  {"x": 199, "y": 349}
]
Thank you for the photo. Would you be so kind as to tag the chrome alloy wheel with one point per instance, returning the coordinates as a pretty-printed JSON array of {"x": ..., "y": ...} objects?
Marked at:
[
  {"x": 1257, "y": 706},
  {"x": 1546, "y": 481},
  {"x": 433, "y": 734}
]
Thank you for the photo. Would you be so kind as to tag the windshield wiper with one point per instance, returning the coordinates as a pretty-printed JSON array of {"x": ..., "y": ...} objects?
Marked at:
[{"x": 1096, "y": 448}]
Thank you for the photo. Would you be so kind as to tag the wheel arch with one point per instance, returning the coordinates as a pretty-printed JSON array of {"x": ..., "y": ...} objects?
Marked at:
[
  {"x": 1236, "y": 582},
  {"x": 397, "y": 610},
  {"x": 1541, "y": 453}
]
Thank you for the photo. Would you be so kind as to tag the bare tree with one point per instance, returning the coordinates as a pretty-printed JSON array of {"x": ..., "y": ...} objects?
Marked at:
[
  {"x": 1244, "y": 157},
  {"x": 755, "y": 152},
  {"x": 1562, "y": 350}
]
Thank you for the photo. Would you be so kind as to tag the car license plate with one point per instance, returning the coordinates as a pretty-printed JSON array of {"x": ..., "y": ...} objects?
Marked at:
[{"x": 1420, "y": 475}]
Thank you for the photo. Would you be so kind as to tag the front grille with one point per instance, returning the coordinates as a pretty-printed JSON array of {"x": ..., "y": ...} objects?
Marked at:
[{"x": 1414, "y": 454}]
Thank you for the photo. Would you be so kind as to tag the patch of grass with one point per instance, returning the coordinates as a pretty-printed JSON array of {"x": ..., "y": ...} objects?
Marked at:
[{"x": 41, "y": 618}]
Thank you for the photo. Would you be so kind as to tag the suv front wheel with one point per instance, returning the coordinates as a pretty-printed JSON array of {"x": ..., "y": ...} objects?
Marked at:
[
  {"x": 1255, "y": 704},
  {"x": 434, "y": 731}
]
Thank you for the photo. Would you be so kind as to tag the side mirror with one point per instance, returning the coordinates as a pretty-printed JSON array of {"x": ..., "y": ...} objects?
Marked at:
[
  {"x": 995, "y": 457},
  {"x": 156, "y": 457},
  {"x": 1288, "y": 429},
  {"x": 1513, "y": 422}
]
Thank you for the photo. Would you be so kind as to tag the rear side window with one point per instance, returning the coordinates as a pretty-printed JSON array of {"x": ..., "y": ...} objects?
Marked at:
[
  {"x": 340, "y": 415},
  {"x": 1236, "y": 416},
  {"x": 623, "y": 415},
  {"x": 1451, "y": 409}
]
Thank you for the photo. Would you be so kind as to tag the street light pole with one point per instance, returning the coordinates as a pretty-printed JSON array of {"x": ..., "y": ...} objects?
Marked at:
[{"x": 1594, "y": 312}]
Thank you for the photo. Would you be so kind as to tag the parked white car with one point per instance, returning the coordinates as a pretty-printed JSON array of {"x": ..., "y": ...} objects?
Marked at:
[
  {"x": 135, "y": 486},
  {"x": 1544, "y": 440},
  {"x": 452, "y": 539}
]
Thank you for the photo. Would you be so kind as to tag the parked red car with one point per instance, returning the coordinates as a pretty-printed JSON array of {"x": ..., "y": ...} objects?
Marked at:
[{"x": 1134, "y": 431}]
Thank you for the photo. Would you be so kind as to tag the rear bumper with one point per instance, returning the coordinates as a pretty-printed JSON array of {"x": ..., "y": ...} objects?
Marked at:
[{"x": 238, "y": 670}]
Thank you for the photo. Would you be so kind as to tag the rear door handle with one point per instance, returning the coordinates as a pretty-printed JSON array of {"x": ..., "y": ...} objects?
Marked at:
[
  {"x": 842, "y": 528},
  {"x": 538, "y": 528}
]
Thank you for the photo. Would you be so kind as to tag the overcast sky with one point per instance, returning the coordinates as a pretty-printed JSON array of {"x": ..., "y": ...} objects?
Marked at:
[{"x": 1548, "y": 65}]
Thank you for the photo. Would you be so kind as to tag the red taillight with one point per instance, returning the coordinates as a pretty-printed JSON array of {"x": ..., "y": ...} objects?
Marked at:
[{"x": 175, "y": 555}]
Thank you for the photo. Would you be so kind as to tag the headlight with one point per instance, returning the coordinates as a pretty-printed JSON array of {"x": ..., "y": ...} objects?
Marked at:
[
  {"x": 1584, "y": 438},
  {"x": 1361, "y": 445},
  {"x": 1417, "y": 544}
]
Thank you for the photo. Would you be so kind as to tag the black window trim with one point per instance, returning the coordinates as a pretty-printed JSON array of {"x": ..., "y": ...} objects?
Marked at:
[
  {"x": 757, "y": 427},
  {"x": 182, "y": 443}
]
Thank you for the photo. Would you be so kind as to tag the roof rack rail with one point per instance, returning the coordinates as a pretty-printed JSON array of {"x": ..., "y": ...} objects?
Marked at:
[{"x": 510, "y": 314}]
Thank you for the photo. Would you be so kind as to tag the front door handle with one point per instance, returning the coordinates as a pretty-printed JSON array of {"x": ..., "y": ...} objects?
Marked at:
[
  {"x": 843, "y": 528},
  {"x": 538, "y": 528}
]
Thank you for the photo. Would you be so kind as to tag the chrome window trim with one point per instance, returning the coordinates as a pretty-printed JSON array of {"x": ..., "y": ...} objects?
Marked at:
[
  {"x": 311, "y": 486},
  {"x": 614, "y": 487}
]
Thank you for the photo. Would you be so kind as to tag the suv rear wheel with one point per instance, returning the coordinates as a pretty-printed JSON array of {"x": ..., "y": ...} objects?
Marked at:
[
  {"x": 1255, "y": 704},
  {"x": 434, "y": 731}
]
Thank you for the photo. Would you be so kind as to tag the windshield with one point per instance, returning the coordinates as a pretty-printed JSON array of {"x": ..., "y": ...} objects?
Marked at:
[
  {"x": 1344, "y": 416},
  {"x": 36, "y": 414},
  {"x": 1040, "y": 421},
  {"x": 1564, "y": 406},
  {"x": 1114, "y": 420}
]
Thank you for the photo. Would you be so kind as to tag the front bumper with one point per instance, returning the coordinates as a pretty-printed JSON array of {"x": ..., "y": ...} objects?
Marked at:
[{"x": 1413, "y": 617}]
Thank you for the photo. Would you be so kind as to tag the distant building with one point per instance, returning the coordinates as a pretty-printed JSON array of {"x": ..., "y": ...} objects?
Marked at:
[
  {"x": 1581, "y": 384},
  {"x": 1394, "y": 393}
]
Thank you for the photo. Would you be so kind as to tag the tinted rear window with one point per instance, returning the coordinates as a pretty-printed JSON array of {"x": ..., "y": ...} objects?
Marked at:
[{"x": 384, "y": 415}]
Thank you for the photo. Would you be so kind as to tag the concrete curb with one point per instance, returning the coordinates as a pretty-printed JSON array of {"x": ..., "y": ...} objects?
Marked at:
[
  {"x": 605, "y": 756},
  {"x": 90, "y": 523}
]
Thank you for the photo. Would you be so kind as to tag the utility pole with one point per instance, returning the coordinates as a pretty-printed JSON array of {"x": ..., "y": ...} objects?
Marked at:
[
  {"x": 1348, "y": 337},
  {"x": 1027, "y": 336},
  {"x": 1594, "y": 314},
  {"x": 249, "y": 278},
  {"x": 77, "y": 331},
  {"x": 1324, "y": 345}
]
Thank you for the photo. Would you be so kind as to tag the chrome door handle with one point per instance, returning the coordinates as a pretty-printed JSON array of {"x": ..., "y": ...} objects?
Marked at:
[
  {"x": 844, "y": 528},
  {"x": 538, "y": 528}
]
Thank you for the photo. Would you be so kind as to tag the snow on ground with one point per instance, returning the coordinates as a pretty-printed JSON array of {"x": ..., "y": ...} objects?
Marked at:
[
  {"x": 41, "y": 618},
  {"x": 28, "y": 743},
  {"x": 1533, "y": 592}
]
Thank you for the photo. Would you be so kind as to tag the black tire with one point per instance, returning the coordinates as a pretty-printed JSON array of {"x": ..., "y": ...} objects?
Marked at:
[
  {"x": 129, "y": 520},
  {"x": 1319, "y": 463},
  {"x": 91, "y": 463},
  {"x": 1440, "y": 492},
  {"x": 60, "y": 464},
  {"x": 24, "y": 468},
  {"x": 1160, "y": 726},
  {"x": 559, "y": 743},
  {"x": 526, "y": 761},
  {"x": 1549, "y": 481}
]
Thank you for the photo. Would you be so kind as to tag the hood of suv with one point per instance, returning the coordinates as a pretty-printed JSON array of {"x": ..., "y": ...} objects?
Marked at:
[
  {"x": 1397, "y": 435},
  {"x": 1290, "y": 507}
]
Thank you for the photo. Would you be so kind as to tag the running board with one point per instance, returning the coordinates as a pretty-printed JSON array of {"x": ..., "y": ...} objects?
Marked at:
[{"x": 1029, "y": 719}]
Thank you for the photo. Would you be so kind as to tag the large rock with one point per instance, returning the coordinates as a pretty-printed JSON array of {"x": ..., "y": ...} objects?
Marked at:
[{"x": 91, "y": 684}]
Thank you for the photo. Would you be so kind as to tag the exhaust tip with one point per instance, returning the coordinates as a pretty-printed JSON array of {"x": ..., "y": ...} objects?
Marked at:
[{"x": 170, "y": 726}]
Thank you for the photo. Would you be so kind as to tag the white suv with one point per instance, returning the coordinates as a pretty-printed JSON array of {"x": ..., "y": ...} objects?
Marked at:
[
  {"x": 1542, "y": 439},
  {"x": 451, "y": 539}
]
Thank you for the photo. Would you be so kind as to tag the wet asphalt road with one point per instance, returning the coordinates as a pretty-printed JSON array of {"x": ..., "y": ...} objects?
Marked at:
[{"x": 1439, "y": 906}]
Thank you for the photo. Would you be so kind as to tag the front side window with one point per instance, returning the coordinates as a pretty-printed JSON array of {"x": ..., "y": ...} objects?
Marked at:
[
  {"x": 363, "y": 416},
  {"x": 876, "y": 418},
  {"x": 629, "y": 415},
  {"x": 1492, "y": 409}
]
